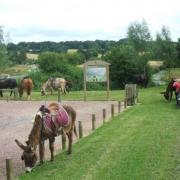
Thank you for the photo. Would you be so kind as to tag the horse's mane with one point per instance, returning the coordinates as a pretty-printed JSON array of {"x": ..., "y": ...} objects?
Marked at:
[
  {"x": 170, "y": 86},
  {"x": 35, "y": 133}
]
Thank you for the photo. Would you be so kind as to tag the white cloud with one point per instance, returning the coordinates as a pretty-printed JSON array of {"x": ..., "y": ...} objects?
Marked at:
[{"x": 94, "y": 19}]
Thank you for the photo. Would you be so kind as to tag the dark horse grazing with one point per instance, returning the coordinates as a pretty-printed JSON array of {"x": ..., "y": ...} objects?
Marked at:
[
  {"x": 26, "y": 84},
  {"x": 141, "y": 79},
  {"x": 47, "y": 125},
  {"x": 169, "y": 90},
  {"x": 7, "y": 83}
]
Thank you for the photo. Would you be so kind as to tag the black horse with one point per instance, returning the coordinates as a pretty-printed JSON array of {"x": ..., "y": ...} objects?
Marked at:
[
  {"x": 141, "y": 79},
  {"x": 7, "y": 83}
]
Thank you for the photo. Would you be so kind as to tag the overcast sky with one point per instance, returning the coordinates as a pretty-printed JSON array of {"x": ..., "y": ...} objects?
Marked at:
[{"x": 65, "y": 20}]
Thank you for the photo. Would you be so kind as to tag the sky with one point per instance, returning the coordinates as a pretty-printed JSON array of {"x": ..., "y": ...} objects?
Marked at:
[{"x": 68, "y": 20}]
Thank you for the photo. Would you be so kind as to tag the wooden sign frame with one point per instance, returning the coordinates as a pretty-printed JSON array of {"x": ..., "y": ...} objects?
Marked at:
[{"x": 96, "y": 64}]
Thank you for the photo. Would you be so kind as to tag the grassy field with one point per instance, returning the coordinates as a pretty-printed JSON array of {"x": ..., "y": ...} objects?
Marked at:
[
  {"x": 141, "y": 143},
  {"x": 74, "y": 95}
]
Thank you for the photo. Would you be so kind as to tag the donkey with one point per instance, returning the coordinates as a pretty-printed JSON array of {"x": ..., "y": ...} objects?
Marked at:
[
  {"x": 169, "y": 90},
  {"x": 48, "y": 124},
  {"x": 55, "y": 83}
]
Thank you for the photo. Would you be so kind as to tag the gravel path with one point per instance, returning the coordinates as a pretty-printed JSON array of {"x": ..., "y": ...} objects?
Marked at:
[{"x": 15, "y": 123}]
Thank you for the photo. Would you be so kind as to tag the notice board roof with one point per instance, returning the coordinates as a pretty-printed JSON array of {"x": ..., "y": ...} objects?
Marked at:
[{"x": 96, "y": 63}]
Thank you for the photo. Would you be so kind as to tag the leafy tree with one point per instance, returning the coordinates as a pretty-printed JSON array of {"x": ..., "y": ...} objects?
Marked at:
[
  {"x": 3, "y": 51},
  {"x": 75, "y": 58},
  {"x": 165, "y": 49},
  {"x": 52, "y": 62},
  {"x": 16, "y": 56},
  {"x": 56, "y": 65},
  {"x": 139, "y": 35},
  {"x": 123, "y": 65},
  {"x": 178, "y": 51}
]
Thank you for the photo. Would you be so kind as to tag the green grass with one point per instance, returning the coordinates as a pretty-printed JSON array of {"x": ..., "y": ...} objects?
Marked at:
[
  {"x": 73, "y": 95},
  {"x": 141, "y": 143}
]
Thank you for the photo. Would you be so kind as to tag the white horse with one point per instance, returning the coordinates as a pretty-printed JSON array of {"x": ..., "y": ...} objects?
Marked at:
[{"x": 53, "y": 84}]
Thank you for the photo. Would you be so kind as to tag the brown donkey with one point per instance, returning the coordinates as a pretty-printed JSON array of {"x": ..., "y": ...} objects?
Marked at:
[{"x": 49, "y": 122}]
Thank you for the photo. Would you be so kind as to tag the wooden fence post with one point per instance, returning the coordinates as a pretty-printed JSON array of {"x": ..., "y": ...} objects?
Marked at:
[
  {"x": 59, "y": 95},
  {"x": 80, "y": 129},
  {"x": 104, "y": 115},
  {"x": 63, "y": 141},
  {"x": 9, "y": 169},
  {"x": 93, "y": 121},
  {"x": 119, "y": 106},
  {"x": 16, "y": 93},
  {"x": 130, "y": 94},
  {"x": 125, "y": 103},
  {"x": 112, "y": 110}
]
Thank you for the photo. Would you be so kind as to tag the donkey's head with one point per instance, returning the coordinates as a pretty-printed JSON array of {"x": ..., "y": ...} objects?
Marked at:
[
  {"x": 43, "y": 89},
  {"x": 29, "y": 155},
  {"x": 166, "y": 95}
]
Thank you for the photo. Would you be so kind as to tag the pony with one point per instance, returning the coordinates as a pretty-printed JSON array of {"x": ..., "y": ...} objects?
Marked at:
[
  {"x": 44, "y": 128},
  {"x": 55, "y": 83},
  {"x": 26, "y": 84}
]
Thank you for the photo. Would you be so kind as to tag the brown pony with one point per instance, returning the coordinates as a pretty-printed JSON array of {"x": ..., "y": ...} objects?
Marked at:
[
  {"x": 40, "y": 133},
  {"x": 26, "y": 84}
]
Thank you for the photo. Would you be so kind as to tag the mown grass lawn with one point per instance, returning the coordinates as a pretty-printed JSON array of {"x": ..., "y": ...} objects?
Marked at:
[
  {"x": 73, "y": 95},
  {"x": 141, "y": 143}
]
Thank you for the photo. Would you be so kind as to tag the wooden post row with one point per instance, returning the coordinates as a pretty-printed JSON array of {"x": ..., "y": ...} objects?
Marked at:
[
  {"x": 9, "y": 168},
  {"x": 80, "y": 129},
  {"x": 104, "y": 115},
  {"x": 112, "y": 110},
  {"x": 119, "y": 106},
  {"x": 93, "y": 121},
  {"x": 63, "y": 141}
]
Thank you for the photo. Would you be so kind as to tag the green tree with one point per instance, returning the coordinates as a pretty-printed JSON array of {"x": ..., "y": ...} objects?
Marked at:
[
  {"x": 124, "y": 66},
  {"x": 75, "y": 58},
  {"x": 178, "y": 52},
  {"x": 3, "y": 51},
  {"x": 165, "y": 49},
  {"x": 52, "y": 62},
  {"x": 139, "y": 35}
]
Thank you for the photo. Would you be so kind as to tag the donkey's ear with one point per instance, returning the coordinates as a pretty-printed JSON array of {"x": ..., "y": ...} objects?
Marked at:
[
  {"x": 20, "y": 144},
  {"x": 27, "y": 142}
]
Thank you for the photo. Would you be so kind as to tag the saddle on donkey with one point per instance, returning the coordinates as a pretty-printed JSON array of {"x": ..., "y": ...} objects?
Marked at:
[{"x": 55, "y": 120}]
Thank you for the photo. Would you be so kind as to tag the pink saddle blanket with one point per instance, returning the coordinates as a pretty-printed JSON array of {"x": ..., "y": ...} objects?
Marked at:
[{"x": 60, "y": 119}]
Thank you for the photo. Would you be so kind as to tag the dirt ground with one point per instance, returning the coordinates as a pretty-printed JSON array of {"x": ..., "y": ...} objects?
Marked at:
[{"x": 16, "y": 123}]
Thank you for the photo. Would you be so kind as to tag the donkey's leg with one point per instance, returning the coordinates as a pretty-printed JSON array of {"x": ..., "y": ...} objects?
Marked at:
[
  {"x": 11, "y": 92},
  {"x": 171, "y": 94},
  {"x": 70, "y": 139},
  {"x": 51, "y": 147},
  {"x": 1, "y": 93},
  {"x": 51, "y": 89},
  {"x": 41, "y": 151}
]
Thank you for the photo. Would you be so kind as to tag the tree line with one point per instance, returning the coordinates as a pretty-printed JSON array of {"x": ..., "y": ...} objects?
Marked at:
[{"x": 127, "y": 56}]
